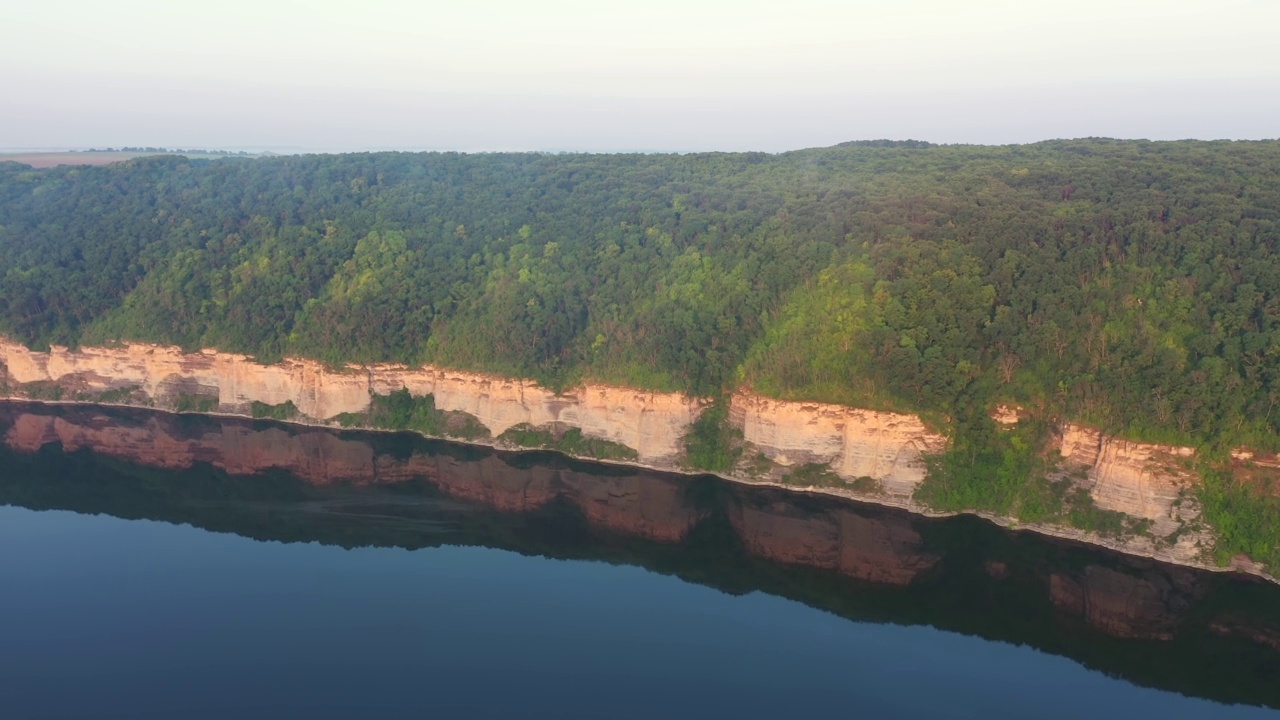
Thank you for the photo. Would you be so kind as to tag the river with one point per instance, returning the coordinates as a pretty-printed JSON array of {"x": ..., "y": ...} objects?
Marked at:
[{"x": 160, "y": 565}]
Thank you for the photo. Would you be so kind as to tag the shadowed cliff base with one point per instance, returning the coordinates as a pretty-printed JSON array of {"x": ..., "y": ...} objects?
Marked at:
[{"x": 1199, "y": 633}]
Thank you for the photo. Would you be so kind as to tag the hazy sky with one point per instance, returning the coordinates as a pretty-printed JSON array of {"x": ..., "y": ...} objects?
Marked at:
[{"x": 650, "y": 75}]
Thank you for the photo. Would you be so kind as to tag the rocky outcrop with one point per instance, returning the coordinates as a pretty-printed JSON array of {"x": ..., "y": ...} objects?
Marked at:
[
  {"x": 1007, "y": 414},
  {"x": 1142, "y": 480},
  {"x": 163, "y": 373},
  {"x": 649, "y": 423},
  {"x": 1145, "y": 481},
  {"x": 888, "y": 447}
]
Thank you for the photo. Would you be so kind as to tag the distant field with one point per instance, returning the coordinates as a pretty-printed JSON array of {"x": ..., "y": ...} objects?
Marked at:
[{"x": 53, "y": 159}]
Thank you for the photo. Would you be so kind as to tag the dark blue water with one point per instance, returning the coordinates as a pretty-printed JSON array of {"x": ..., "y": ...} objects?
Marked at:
[
  {"x": 104, "y": 617},
  {"x": 166, "y": 566}
]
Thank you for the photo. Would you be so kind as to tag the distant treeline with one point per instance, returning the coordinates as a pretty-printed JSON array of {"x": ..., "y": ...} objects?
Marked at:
[{"x": 176, "y": 151}]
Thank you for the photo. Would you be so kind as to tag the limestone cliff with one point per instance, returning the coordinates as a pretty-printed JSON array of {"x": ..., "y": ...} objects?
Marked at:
[
  {"x": 1143, "y": 481},
  {"x": 649, "y": 423},
  {"x": 887, "y": 447}
]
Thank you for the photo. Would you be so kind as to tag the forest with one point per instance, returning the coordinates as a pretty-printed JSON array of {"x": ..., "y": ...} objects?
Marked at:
[{"x": 1130, "y": 285}]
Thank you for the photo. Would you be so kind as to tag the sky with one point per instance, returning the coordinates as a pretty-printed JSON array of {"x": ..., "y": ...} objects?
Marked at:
[{"x": 656, "y": 75}]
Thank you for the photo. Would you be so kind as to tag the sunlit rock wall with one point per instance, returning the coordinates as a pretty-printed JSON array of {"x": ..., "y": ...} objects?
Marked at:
[
  {"x": 888, "y": 447},
  {"x": 650, "y": 423},
  {"x": 1142, "y": 480}
]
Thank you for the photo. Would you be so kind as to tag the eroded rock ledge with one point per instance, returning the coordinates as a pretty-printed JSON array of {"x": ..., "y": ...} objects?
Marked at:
[
  {"x": 855, "y": 443},
  {"x": 649, "y": 423},
  {"x": 1144, "y": 481}
]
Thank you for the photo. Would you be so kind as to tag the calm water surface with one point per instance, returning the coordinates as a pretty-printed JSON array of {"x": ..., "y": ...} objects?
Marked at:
[{"x": 541, "y": 588}]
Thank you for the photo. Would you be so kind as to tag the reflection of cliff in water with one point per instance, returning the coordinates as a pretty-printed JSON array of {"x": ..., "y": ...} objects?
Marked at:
[{"x": 1171, "y": 627}]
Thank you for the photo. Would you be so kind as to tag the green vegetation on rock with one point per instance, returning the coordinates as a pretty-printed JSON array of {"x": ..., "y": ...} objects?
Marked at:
[
  {"x": 814, "y": 475},
  {"x": 570, "y": 441},
  {"x": 281, "y": 411},
  {"x": 1012, "y": 471},
  {"x": 401, "y": 410},
  {"x": 125, "y": 395},
  {"x": 994, "y": 469},
  {"x": 195, "y": 403},
  {"x": 43, "y": 390},
  {"x": 1246, "y": 520},
  {"x": 712, "y": 443}
]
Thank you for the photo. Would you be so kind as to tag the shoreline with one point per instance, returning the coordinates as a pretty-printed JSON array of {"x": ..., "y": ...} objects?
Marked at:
[{"x": 1062, "y": 533}]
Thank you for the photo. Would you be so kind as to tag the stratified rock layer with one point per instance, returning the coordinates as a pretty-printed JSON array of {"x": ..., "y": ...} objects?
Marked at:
[
  {"x": 649, "y": 423},
  {"x": 888, "y": 447},
  {"x": 1142, "y": 480}
]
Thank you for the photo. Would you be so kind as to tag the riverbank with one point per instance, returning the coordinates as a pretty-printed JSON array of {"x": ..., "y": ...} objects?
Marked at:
[
  {"x": 862, "y": 455},
  {"x": 1063, "y": 533}
]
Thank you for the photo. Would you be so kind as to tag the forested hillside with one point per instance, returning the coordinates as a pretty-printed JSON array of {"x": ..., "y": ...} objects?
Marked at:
[{"x": 1131, "y": 285}]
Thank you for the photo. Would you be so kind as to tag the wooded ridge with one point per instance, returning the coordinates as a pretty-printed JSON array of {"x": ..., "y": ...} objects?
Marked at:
[{"x": 1130, "y": 286}]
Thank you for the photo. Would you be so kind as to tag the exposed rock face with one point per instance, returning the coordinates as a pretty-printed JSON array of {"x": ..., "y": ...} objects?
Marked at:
[
  {"x": 163, "y": 372},
  {"x": 1141, "y": 480},
  {"x": 856, "y": 443},
  {"x": 1007, "y": 414},
  {"x": 650, "y": 423}
]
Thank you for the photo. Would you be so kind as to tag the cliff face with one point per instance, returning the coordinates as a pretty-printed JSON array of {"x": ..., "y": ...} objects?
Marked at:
[
  {"x": 855, "y": 443},
  {"x": 1143, "y": 481},
  {"x": 649, "y": 423},
  {"x": 164, "y": 373},
  {"x": 888, "y": 447}
]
